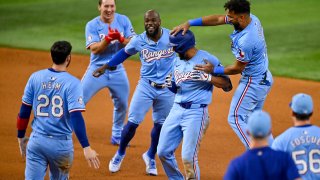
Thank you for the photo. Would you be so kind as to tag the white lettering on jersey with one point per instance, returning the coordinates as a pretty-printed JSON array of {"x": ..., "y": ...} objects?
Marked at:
[
  {"x": 156, "y": 55},
  {"x": 51, "y": 85}
]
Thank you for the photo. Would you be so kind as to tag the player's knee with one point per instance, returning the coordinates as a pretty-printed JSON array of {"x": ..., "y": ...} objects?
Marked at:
[{"x": 162, "y": 153}]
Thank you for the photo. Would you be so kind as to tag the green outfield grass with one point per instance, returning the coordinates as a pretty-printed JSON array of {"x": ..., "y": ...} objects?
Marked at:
[{"x": 291, "y": 27}]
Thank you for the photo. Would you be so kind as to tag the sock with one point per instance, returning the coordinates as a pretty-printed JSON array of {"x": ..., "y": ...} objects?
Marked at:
[
  {"x": 126, "y": 135},
  {"x": 155, "y": 133}
]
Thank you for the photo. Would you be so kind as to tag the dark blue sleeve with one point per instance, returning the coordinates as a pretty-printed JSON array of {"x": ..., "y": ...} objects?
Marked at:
[
  {"x": 79, "y": 128},
  {"x": 173, "y": 87},
  {"x": 231, "y": 173},
  {"x": 118, "y": 58},
  {"x": 292, "y": 170},
  {"x": 24, "y": 113}
]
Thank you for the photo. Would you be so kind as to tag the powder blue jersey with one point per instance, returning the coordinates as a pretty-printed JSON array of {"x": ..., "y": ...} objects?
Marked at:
[
  {"x": 249, "y": 46},
  {"x": 303, "y": 143},
  {"x": 189, "y": 90},
  {"x": 156, "y": 57},
  {"x": 96, "y": 30},
  {"x": 262, "y": 163},
  {"x": 53, "y": 96}
]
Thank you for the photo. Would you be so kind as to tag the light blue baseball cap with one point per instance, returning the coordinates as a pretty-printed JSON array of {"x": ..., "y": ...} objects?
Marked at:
[
  {"x": 302, "y": 104},
  {"x": 259, "y": 124}
]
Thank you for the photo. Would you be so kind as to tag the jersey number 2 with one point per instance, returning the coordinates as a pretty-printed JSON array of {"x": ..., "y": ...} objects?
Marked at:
[
  {"x": 56, "y": 101},
  {"x": 314, "y": 163}
]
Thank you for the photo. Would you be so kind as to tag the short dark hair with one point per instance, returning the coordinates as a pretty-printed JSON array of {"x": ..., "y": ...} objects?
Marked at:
[
  {"x": 302, "y": 117},
  {"x": 238, "y": 6},
  {"x": 60, "y": 50},
  {"x": 100, "y": 2}
]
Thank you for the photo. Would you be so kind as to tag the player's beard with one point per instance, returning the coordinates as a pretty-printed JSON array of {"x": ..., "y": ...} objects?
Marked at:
[
  {"x": 237, "y": 26},
  {"x": 182, "y": 56},
  {"x": 152, "y": 34}
]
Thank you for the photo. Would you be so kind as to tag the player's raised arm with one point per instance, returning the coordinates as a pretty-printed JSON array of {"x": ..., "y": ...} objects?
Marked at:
[{"x": 211, "y": 20}]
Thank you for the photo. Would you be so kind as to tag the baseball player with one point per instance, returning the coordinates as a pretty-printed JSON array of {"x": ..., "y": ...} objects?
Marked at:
[
  {"x": 303, "y": 140},
  {"x": 156, "y": 57},
  {"x": 188, "y": 118},
  {"x": 249, "y": 47},
  {"x": 261, "y": 162},
  {"x": 106, "y": 35},
  {"x": 56, "y": 99}
]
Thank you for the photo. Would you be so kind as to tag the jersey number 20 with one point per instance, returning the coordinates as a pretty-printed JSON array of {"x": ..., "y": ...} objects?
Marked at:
[{"x": 56, "y": 101}]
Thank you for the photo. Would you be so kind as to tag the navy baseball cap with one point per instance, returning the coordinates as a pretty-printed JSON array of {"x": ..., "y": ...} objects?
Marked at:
[
  {"x": 302, "y": 104},
  {"x": 259, "y": 124}
]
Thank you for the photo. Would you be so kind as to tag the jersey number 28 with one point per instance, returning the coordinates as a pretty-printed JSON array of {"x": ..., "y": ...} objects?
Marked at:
[
  {"x": 314, "y": 163},
  {"x": 56, "y": 101}
]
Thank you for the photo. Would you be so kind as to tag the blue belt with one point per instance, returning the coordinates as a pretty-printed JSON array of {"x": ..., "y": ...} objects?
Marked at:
[
  {"x": 189, "y": 105},
  {"x": 61, "y": 137}
]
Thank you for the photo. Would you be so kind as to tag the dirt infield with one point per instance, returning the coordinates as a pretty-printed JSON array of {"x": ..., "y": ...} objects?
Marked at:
[{"x": 218, "y": 147}]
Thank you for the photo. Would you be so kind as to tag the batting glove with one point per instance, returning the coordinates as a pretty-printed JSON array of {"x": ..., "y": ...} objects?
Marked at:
[
  {"x": 200, "y": 76},
  {"x": 168, "y": 80},
  {"x": 23, "y": 145}
]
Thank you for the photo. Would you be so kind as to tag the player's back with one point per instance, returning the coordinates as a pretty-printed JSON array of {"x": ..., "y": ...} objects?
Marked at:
[
  {"x": 303, "y": 143},
  {"x": 53, "y": 95},
  {"x": 261, "y": 163}
]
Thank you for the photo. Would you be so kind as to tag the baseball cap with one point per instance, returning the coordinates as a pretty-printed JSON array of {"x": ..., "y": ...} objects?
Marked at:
[
  {"x": 259, "y": 124},
  {"x": 302, "y": 104}
]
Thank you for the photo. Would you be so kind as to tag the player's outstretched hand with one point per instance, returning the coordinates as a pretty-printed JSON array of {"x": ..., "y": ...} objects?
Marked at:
[
  {"x": 185, "y": 26},
  {"x": 98, "y": 72},
  {"x": 23, "y": 145},
  {"x": 207, "y": 67},
  {"x": 92, "y": 157},
  {"x": 168, "y": 80}
]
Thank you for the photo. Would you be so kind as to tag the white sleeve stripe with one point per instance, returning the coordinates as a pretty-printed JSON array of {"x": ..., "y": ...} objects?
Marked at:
[
  {"x": 26, "y": 103},
  {"x": 73, "y": 110},
  {"x": 242, "y": 61},
  {"x": 87, "y": 47}
]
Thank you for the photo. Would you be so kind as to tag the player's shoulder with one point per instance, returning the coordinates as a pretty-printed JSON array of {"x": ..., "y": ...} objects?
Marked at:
[
  {"x": 165, "y": 30},
  {"x": 121, "y": 17},
  {"x": 94, "y": 21}
]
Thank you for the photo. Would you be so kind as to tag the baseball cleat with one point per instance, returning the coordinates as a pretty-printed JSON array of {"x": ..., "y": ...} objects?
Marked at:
[
  {"x": 151, "y": 167},
  {"x": 115, "y": 163}
]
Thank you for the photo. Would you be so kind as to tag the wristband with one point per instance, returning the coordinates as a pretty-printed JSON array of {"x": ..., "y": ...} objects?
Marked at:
[
  {"x": 22, "y": 123},
  {"x": 218, "y": 70},
  {"x": 196, "y": 22}
]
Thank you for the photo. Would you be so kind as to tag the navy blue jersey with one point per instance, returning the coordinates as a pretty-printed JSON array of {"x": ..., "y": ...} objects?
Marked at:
[{"x": 262, "y": 163}]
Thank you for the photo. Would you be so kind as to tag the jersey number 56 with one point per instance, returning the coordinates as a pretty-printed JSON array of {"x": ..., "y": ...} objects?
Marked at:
[{"x": 314, "y": 160}]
